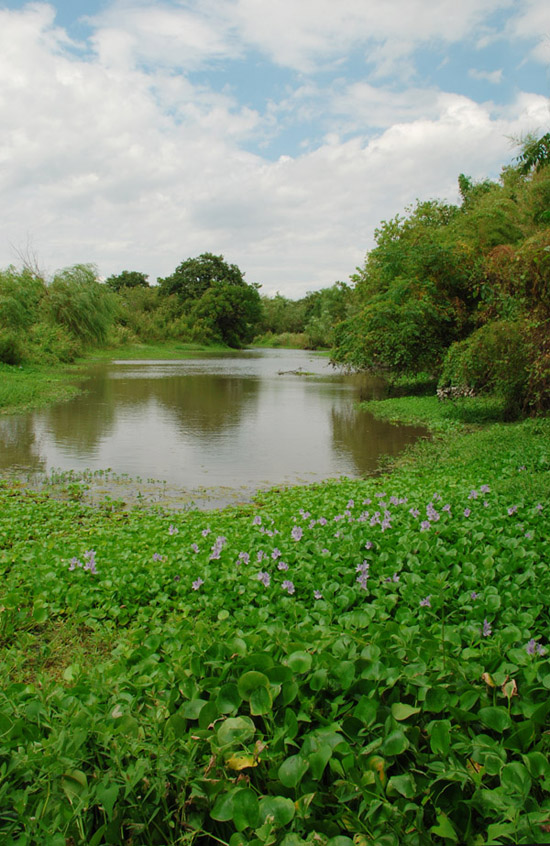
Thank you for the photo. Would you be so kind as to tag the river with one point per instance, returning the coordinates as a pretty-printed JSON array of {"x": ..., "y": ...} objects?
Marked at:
[{"x": 208, "y": 431}]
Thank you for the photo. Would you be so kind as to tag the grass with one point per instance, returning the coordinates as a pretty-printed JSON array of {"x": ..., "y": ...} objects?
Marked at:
[
  {"x": 32, "y": 386},
  {"x": 385, "y": 682}
]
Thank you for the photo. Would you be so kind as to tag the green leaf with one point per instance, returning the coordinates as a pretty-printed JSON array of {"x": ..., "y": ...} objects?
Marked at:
[
  {"x": 106, "y": 796},
  {"x": 394, "y": 744},
  {"x": 495, "y": 718},
  {"x": 246, "y": 809},
  {"x": 444, "y": 828},
  {"x": 292, "y": 770},
  {"x": 440, "y": 740},
  {"x": 515, "y": 778},
  {"x": 402, "y": 711},
  {"x": 223, "y": 807},
  {"x": 251, "y": 681},
  {"x": 228, "y": 699},
  {"x": 235, "y": 730},
  {"x": 299, "y": 662},
  {"x": 279, "y": 807},
  {"x": 403, "y": 784},
  {"x": 191, "y": 709},
  {"x": 260, "y": 701}
]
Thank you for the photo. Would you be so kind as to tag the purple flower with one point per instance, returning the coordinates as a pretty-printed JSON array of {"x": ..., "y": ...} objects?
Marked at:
[
  {"x": 325, "y": 551},
  {"x": 394, "y": 500},
  {"x": 197, "y": 583},
  {"x": 485, "y": 489},
  {"x": 282, "y": 565},
  {"x": 217, "y": 548},
  {"x": 486, "y": 630},
  {"x": 431, "y": 513},
  {"x": 257, "y": 521},
  {"x": 529, "y": 535},
  {"x": 472, "y": 495},
  {"x": 276, "y": 554},
  {"x": 205, "y": 532},
  {"x": 172, "y": 530},
  {"x": 89, "y": 559},
  {"x": 474, "y": 595},
  {"x": 425, "y": 525},
  {"x": 260, "y": 556},
  {"x": 194, "y": 547},
  {"x": 512, "y": 510},
  {"x": 322, "y": 521},
  {"x": 538, "y": 507},
  {"x": 288, "y": 586},
  {"x": 447, "y": 507},
  {"x": 157, "y": 556},
  {"x": 395, "y": 577},
  {"x": 467, "y": 512},
  {"x": 522, "y": 468},
  {"x": 415, "y": 512},
  {"x": 244, "y": 557},
  {"x": 534, "y": 648},
  {"x": 380, "y": 495},
  {"x": 296, "y": 533},
  {"x": 317, "y": 594},
  {"x": 264, "y": 578},
  {"x": 350, "y": 504},
  {"x": 74, "y": 563},
  {"x": 367, "y": 501},
  {"x": 363, "y": 568},
  {"x": 368, "y": 544},
  {"x": 485, "y": 504},
  {"x": 425, "y": 603}
]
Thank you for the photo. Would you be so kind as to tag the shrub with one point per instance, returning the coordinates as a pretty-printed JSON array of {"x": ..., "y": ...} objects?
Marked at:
[{"x": 11, "y": 347}]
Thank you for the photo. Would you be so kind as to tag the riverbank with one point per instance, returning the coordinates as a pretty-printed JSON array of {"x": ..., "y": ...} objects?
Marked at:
[
  {"x": 27, "y": 386},
  {"x": 343, "y": 663}
]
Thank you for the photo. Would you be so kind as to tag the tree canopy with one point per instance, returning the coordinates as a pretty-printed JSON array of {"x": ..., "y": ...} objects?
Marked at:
[{"x": 215, "y": 295}]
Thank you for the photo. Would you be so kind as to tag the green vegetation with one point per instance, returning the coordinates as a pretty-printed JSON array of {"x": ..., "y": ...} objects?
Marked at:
[
  {"x": 352, "y": 662},
  {"x": 463, "y": 291},
  {"x": 32, "y": 386}
]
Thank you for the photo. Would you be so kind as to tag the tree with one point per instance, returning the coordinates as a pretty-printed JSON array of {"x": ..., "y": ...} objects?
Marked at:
[
  {"x": 81, "y": 304},
  {"x": 215, "y": 294},
  {"x": 127, "y": 279}
]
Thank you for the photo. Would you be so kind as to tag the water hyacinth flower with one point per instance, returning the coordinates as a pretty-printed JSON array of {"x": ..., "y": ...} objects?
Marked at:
[
  {"x": 512, "y": 510},
  {"x": 368, "y": 544},
  {"x": 195, "y": 547},
  {"x": 282, "y": 565},
  {"x": 317, "y": 594},
  {"x": 172, "y": 530},
  {"x": 484, "y": 489},
  {"x": 447, "y": 508},
  {"x": 89, "y": 559},
  {"x": 325, "y": 551},
  {"x": 351, "y": 504},
  {"x": 74, "y": 563},
  {"x": 322, "y": 521},
  {"x": 474, "y": 595},
  {"x": 534, "y": 648},
  {"x": 157, "y": 556},
  {"x": 395, "y": 577},
  {"x": 244, "y": 557},
  {"x": 473, "y": 495},
  {"x": 467, "y": 512},
  {"x": 367, "y": 501},
  {"x": 217, "y": 548},
  {"x": 297, "y": 533},
  {"x": 538, "y": 507},
  {"x": 425, "y": 526},
  {"x": 197, "y": 583},
  {"x": 288, "y": 586},
  {"x": 276, "y": 554},
  {"x": 257, "y": 521},
  {"x": 425, "y": 603},
  {"x": 486, "y": 630},
  {"x": 264, "y": 578},
  {"x": 260, "y": 556},
  {"x": 415, "y": 512}
]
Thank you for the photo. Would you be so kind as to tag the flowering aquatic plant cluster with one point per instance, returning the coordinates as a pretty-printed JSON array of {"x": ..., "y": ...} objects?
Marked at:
[{"x": 351, "y": 663}]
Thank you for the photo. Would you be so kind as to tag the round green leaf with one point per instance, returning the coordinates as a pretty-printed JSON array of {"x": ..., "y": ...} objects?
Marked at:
[
  {"x": 495, "y": 718},
  {"x": 281, "y": 809},
  {"x": 292, "y": 770},
  {"x": 251, "y": 681},
  {"x": 299, "y": 662},
  {"x": 235, "y": 730},
  {"x": 402, "y": 711},
  {"x": 228, "y": 699},
  {"x": 246, "y": 809},
  {"x": 394, "y": 744},
  {"x": 260, "y": 701}
]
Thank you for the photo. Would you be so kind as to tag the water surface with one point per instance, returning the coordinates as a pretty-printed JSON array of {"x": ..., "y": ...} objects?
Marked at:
[{"x": 212, "y": 429}]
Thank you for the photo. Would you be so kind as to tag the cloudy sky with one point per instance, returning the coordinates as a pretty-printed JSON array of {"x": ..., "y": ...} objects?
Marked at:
[{"x": 135, "y": 134}]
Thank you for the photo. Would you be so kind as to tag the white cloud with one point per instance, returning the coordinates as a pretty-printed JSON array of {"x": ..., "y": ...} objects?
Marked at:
[
  {"x": 126, "y": 163},
  {"x": 495, "y": 77}
]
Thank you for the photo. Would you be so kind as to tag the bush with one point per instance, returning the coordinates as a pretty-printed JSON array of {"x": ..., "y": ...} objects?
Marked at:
[
  {"x": 494, "y": 358},
  {"x": 11, "y": 347}
]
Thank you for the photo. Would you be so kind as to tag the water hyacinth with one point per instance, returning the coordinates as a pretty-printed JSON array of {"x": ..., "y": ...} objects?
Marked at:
[
  {"x": 486, "y": 631},
  {"x": 264, "y": 578},
  {"x": 534, "y": 648},
  {"x": 317, "y": 594},
  {"x": 288, "y": 586},
  {"x": 282, "y": 565},
  {"x": 172, "y": 530},
  {"x": 197, "y": 583},
  {"x": 297, "y": 533},
  {"x": 425, "y": 603}
]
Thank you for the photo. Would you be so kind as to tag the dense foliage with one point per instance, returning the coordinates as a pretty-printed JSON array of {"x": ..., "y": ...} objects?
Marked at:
[
  {"x": 344, "y": 664},
  {"x": 463, "y": 291}
]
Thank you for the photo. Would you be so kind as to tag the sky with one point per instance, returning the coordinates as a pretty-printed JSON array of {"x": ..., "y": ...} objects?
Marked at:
[{"x": 277, "y": 133}]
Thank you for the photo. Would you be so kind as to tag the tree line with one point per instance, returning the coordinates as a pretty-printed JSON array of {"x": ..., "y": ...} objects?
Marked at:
[{"x": 458, "y": 291}]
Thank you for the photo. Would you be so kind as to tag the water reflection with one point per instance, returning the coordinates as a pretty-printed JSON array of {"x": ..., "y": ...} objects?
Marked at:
[{"x": 240, "y": 422}]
